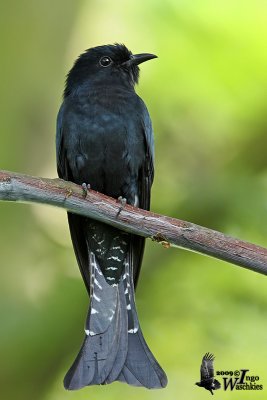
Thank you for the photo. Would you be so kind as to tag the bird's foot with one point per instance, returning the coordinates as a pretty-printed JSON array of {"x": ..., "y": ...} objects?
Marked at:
[
  {"x": 86, "y": 187},
  {"x": 123, "y": 202}
]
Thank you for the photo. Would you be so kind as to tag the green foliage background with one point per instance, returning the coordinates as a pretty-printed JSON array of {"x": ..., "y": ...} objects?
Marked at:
[{"x": 207, "y": 98}]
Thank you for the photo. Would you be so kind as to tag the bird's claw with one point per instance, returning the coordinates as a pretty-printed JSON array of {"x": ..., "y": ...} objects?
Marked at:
[
  {"x": 86, "y": 187},
  {"x": 123, "y": 202}
]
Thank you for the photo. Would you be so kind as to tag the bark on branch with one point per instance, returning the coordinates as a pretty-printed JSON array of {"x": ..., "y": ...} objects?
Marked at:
[{"x": 165, "y": 230}]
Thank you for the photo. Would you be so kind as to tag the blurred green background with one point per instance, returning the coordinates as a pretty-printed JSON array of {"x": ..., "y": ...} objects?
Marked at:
[{"x": 206, "y": 94}]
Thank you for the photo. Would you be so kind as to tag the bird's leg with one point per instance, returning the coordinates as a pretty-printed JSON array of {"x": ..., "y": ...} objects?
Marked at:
[
  {"x": 86, "y": 187},
  {"x": 123, "y": 202}
]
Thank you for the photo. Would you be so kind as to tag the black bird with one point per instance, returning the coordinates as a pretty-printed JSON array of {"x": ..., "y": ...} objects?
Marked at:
[
  {"x": 207, "y": 380},
  {"x": 105, "y": 139}
]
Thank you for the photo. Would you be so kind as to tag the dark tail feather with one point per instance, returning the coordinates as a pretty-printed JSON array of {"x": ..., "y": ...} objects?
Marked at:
[
  {"x": 141, "y": 368},
  {"x": 217, "y": 384},
  {"x": 114, "y": 348}
]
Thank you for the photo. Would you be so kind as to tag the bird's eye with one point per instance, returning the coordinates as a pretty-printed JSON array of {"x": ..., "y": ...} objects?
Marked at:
[{"x": 105, "y": 61}]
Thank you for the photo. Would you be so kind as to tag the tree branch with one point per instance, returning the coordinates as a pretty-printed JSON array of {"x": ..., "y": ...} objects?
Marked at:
[{"x": 165, "y": 230}]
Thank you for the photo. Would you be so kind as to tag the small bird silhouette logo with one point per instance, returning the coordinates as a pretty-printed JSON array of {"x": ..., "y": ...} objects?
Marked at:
[{"x": 207, "y": 380}]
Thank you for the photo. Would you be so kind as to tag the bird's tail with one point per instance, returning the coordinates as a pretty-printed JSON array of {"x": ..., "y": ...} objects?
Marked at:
[
  {"x": 217, "y": 384},
  {"x": 114, "y": 348}
]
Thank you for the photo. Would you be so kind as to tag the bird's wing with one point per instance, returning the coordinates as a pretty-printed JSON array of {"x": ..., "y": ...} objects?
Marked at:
[
  {"x": 206, "y": 369},
  {"x": 146, "y": 177},
  {"x": 76, "y": 222},
  {"x": 145, "y": 180},
  {"x": 149, "y": 138},
  {"x": 61, "y": 167},
  {"x": 210, "y": 358}
]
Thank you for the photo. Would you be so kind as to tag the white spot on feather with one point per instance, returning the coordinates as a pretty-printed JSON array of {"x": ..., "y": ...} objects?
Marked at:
[
  {"x": 98, "y": 270},
  {"x": 97, "y": 283},
  {"x": 114, "y": 258},
  {"x": 91, "y": 333},
  {"x": 96, "y": 298},
  {"x": 133, "y": 330}
]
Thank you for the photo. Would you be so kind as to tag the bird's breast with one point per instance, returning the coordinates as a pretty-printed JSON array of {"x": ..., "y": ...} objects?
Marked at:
[{"x": 106, "y": 145}]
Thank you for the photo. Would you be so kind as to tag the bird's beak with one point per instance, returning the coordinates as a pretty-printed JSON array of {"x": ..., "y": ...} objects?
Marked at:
[{"x": 138, "y": 59}]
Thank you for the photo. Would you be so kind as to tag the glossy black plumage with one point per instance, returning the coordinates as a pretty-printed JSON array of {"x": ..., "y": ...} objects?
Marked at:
[{"x": 105, "y": 138}]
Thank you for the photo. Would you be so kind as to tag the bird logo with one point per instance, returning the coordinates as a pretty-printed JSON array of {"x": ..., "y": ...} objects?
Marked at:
[{"x": 207, "y": 380}]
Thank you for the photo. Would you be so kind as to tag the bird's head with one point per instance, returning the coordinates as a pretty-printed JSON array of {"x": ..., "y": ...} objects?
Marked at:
[{"x": 105, "y": 65}]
